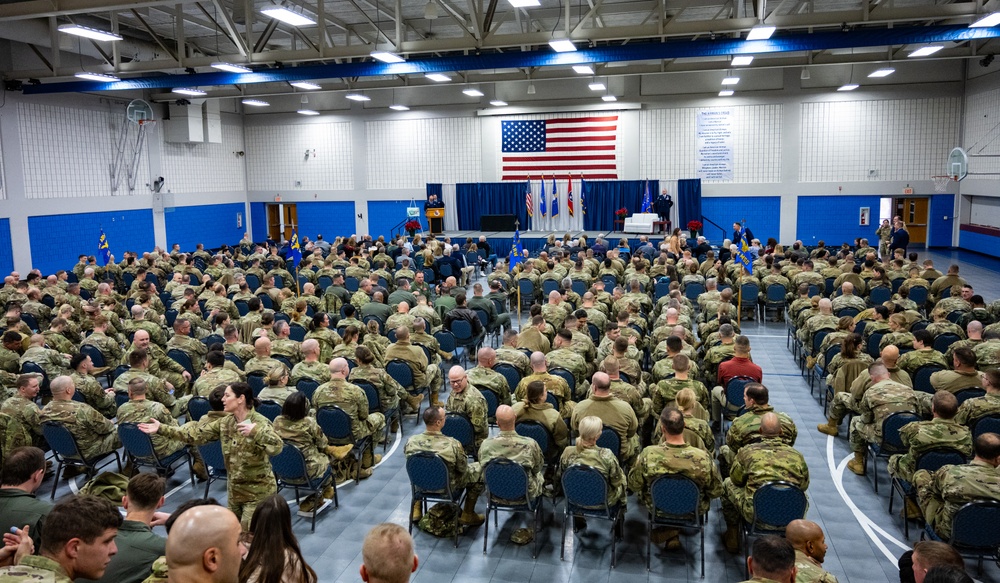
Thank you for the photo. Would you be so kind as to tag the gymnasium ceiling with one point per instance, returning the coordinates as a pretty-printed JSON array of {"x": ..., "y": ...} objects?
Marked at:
[{"x": 486, "y": 43}]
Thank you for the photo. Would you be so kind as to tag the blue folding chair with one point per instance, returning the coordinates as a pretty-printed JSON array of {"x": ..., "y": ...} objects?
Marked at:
[
  {"x": 586, "y": 492},
  {"x": 242, "y": 307},
  {"x": 464, "y": 338},
  {"x": 879, "y": 295},
  {"x": 549, "y": 286},
  {"x": 291, "y": 471},
  {"x": 336, "y": 425},
  {"x": 922, "y": 378},
  {"x": 506, "y": 485},
  {"x": 775, "y": 504},
  {"x": 975, "y": 530},
  {"x": 401, "y": 372},
  {"x": 307, "y": 387},
  {"x": 139, "y": 448},
  {"x": 609, "y": 439},
  {"x": 943, "y": 341},
  {"x": 693, "y": 290},
  {"x": 568, "y": 377},
  {"x": 969, "y": 393},
  {"x": 296, "y": 332},
  {"x": 919, "y": 296},
  {"x": 197, "y": 408},
  {"x": 509, "y": 372},
  {"x": 459, "y": 427},
  {"x": 213, "y": 339},
  {"x": 527, "y": 291},
  {"x": 270, "y": 409},
  {"x": 182, "y": 358},
  {"x": 256, "y": 382},
  {"x": 541, "y": 435},
  {"x": 676, "y": 502},
  {"x": 215, "y": 463},
  {"x": 735, "y": 404},
  {"x": 891, "y": 442},
  {"x": 375, "y": 406},
  {"x": 661, "y": 288},
  {"x": 446, "y": 341},
  {"x": 931, "y": 460},
  {"x": 431, "y": 482},
  {"x": 492, "y": 402},
  {"x": 67, "y": 452},
  {"x": 171, "y": 316},
  {"x": 986, "y": 424},
  {"x": 235, "y": 360}
]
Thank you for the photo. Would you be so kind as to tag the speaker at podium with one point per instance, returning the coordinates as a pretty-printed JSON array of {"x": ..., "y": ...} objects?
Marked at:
[{"x": 435, "y": 219}]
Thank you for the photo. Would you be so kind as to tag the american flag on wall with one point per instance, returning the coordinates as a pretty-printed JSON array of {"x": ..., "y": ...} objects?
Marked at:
[{"x": 586, "y": 146}]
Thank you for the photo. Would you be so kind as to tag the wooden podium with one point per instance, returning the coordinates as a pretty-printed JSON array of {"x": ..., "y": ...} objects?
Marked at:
[{"x": 435, "y": 220}]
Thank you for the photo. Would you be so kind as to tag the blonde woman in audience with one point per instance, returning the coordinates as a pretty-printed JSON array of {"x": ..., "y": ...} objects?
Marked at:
[
  {"x": 586, "y": 452},
  {"x": 277, "y": 389},
  {"x": 320, "y": 330},
  {"x": 697, "y": 431},
  {"x": 274, "y": 555}
]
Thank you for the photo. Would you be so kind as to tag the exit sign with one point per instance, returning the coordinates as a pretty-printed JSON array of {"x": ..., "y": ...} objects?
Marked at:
[{"x": 908, "y": 191}]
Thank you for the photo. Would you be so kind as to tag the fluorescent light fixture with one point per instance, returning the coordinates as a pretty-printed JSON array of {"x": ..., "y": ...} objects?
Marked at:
[
  {"x": 255, "y": 102},
  {"x": 924, "y": 51},
  {"x": 583, "y": 69},
  {"x": 760, "y": 33},
  {"x": 96, "y": 77},
  {"x": 473, "y": 92},
  {"x": 440, "y": 78},
  {"x": 189, "y": 91},
  {"x": 308, "y": 112},
  {"x": 597, "y": 86},
  {"x": 287, "y": 16},
  {"x": 726, "y": 93},
  {"x": 231, "y": 68},
  {"x": 387, "y": 57},
  {"x": 609, "y": 98},
  {"x": 988, "y": 20},
  {"x": 742, "y": 61},
  {"x": 531, "y": 88},
  {"x": 882, "y": 72},
  {"x": 399, "y": 107},
  {"x": 730, "y": 80},
  {"x": 848, "y": 87},
  {"x": 524, "y": 3},
  {"x": 357, "y": 97},
  {"x": 562, "y": 45},
  {"x": 304, "y": 85},
  {"x": 498, "y": 103},
  {"x": 87, "y": 32}
]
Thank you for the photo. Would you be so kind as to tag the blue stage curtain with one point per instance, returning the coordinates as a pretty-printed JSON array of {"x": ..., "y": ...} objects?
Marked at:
[
  {"x": 688, "y": 201},
  {"x": 489, "y": 198},
  {"x": 604, "y": 197},
  {"x": 434, "y": 189}
]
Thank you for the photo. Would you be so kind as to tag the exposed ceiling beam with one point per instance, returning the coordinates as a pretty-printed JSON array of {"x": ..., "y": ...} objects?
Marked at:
[{"x": 44, "y": 8}]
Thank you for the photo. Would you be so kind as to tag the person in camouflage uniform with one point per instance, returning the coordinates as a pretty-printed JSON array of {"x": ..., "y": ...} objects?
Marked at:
[
  {"x": 261, "y": 363},
  {"x": 23, "y": 411},
  {"x": 482, "y": 376},
  {"x": 718, "y": 353},
  {"x": 847, "y": 299},
  {"x": 247, "y": 440},
  {"x": 564, "y": 356},
  {"x": 923, "y": 354},
  {"x": 214, "y": 374},
  {"x": 311, "y": 366},
  {"x": 898, "y": 334},
  {"x": 327, "y": 337},
  {"x": 614, "y": 413},
  {"x": 745, "y": 429},
  {"x": 807, "y": 538},
  {"x": 276, "y": 388},
  {"x": 160, "y": 365},
  {"x": 424, "y": 373},
  {"x": 586, "y": 452},
  {"x": 181, "y": 340},
  {"x": 767, "y": 460},
  {"x": 86, "y": 522},
  {"x": 988, "y": 352},
  {"x": 963, "y": 376},
  {"x": 989, "y": 404},
  {"x": 508, "y": 353},
  {"x": 942, "y": 493},
  {"x": 884, "y": 398},
  {"x": 508, "y": 445},
  {"x": 53, "y": 363},
  {"x": 157, "y": 389},
  {"x": 461, "y": 474},
  {"x": 95, "y": 435},
  {"x": 96, "y": 396},
  {"x": 534, "y": 407},
  {"x": 108, "y": 346},
  {"x": 627, "y": 392},
  {"x": 673, "y": 456},
  {"x": 825, "y": 320},
  {"x": 390, "y": 392},
  {"x": 555, "y": 385},
  {"x": 283, "y": 345},
  {"x": 353, "y": 401},
  {"x": 665, "y": 392},
  {"x": 466, "y": 400}
]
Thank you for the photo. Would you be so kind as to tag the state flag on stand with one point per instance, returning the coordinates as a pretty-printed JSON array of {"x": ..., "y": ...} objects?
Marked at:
[
  {"x": 583, "y": 195},
  {"x": 569, "y": 195},
  {"x": 555, "y": 198},
  {"x": 516, "y": 251},
  {"x": 104, "y": 249},
  {"x": 529, "y": 203},
  {"x": 647, "y": 201},
  {"x": 294, "y": 250},
  {"x": 743, "y": 252},
  {"x": 541, "y": 198}
]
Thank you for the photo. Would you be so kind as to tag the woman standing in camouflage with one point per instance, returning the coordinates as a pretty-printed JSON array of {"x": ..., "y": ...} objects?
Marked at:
[{"x": 247, "y": 440}]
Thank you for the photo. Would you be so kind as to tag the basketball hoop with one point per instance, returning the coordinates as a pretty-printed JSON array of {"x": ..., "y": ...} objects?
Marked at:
[{"x": 941, "y": 182}]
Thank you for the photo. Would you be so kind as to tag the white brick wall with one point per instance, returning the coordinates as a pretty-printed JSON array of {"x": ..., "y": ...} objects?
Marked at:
[
  {"x": 982, "y": 134},
  {"x": 410, "y": 153},
  {"x": 277, "y": 160},
  {"x": 901, "y": 139},
  {"x": 668, "y": 143},
  {"x": 193, "y": 168}
]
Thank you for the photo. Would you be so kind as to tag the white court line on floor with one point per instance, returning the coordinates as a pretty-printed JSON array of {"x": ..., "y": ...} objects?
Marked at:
[{"x": 869, "y": 526}]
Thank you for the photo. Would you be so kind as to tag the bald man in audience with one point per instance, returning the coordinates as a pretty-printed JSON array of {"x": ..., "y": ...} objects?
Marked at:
[
  {"x": 261, "y": 361},
  {"x": 807, "y": 538},
  {"x": 94, "y": 433},
  {"x": 204, "y": 546},
  {"x": 388, "y": 555}
]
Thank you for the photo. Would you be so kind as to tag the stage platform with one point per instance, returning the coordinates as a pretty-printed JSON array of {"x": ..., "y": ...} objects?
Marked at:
[{"x": 533, "y": 241}]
